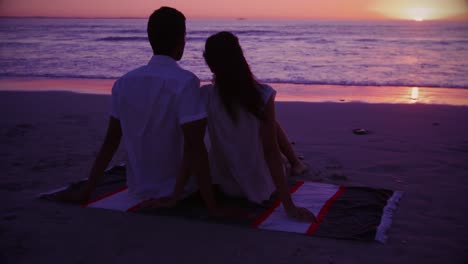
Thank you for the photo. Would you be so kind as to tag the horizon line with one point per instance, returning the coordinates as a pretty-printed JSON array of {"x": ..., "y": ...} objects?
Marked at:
[{"x": 238, "y": 18}]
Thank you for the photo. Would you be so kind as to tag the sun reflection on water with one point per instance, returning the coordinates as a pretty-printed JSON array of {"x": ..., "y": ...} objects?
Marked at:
[{"x": 414, "y": 94}]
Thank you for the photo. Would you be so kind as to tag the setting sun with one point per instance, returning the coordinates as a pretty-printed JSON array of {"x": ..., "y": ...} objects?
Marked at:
[
  {"x": 419, "y": 13},
  {"x": 418, "y": 10}
]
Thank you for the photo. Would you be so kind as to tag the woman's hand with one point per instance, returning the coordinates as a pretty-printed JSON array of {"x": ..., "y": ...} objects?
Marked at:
[{"x": 301, "y": 213}]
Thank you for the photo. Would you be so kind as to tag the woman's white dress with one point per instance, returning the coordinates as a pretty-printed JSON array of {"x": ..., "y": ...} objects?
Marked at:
[{"x": 235, "y": 149}]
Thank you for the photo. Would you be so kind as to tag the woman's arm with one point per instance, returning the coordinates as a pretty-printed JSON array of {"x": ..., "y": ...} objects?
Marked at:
[{"x": 273, "y": 158}]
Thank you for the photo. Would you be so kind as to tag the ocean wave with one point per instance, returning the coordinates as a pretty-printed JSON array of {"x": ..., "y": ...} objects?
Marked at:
[
  {"x": 430, "y": 42},
  {"x": 190, "y": 39},
  {"x": 273, "y": 80},
  {"x": 253, "y": 32},
  {"x": 310, "y": 40},
  {"x": 135, "y": 31},
  {"x": 365, "y": 83},
  {"x": 235, "y": 32},
  {"x": 321, "y": 41},
  {"x": 464, "y": 41},
  {"x": 145, "y": 39},
  {"x": 17, "y": 44},
  {"x": 123, "y": 39},
  {"x": 367, "y": 40},
  {"x": 56, "y": 76}
]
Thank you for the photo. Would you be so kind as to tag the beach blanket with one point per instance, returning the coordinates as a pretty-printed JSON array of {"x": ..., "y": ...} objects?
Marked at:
[{"x": 344, "y": 212}]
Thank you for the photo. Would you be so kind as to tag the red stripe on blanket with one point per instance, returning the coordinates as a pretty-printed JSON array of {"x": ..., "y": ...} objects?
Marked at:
[
  {"x": 104, "y": 196},
  {"x": 323, "y": 211},
  {"x": 135, "y": 207},
  {"x": 265, "y": 215}
]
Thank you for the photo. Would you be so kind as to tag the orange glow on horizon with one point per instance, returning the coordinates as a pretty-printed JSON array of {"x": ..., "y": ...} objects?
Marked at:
[{"x": 418, "y": 10}]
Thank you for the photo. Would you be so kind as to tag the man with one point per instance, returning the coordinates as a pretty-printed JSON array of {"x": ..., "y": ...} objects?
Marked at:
[{"x": 158, "y": 113}]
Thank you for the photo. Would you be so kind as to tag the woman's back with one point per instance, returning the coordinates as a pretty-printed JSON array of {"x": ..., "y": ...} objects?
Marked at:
[{"x": 236, "y": 154}]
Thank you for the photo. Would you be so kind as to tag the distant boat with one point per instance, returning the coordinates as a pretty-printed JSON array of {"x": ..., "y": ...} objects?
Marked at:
[{"x": 241, "y": 18}]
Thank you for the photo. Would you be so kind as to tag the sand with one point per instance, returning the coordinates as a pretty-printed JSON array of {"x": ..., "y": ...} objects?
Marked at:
[{"x": 48, "y": 139}]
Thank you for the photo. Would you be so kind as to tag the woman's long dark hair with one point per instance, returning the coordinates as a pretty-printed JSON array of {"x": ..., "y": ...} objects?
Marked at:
[{"x": 232, "y": 76}]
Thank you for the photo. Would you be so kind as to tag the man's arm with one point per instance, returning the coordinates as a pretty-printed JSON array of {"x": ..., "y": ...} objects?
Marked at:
[
  {"x": 106, "y": 153},
  {"x": 195, "y": 161},
  {"x": 103, "y": 158}
]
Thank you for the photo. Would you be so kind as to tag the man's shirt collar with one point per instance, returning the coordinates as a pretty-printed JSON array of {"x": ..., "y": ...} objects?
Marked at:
[{"x": 157, "y": 60}]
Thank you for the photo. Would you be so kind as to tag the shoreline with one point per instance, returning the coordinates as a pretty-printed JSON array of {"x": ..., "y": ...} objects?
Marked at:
[{"x": 287, "y": 92}]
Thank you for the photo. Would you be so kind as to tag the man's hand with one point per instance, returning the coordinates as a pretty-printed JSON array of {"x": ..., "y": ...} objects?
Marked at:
[
  {"x": 301, "y": 213},
  {"x": 163, "y": 202}
]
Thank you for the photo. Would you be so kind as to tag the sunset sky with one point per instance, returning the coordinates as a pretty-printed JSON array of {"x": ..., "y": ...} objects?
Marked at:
[{"x": 300, "y": 9}]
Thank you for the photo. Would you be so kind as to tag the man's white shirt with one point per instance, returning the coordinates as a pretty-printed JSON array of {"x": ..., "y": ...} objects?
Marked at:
[{"x": 152, "y": 102}]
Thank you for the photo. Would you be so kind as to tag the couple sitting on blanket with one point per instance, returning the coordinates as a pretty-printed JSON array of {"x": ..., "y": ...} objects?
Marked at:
[{"x": 160, "y": 113}]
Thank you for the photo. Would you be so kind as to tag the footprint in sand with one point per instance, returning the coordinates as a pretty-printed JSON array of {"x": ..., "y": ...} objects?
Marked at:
[
  {"x": 9, "y": 217},
  {"x": 58, "y": 218},
  {"x": 10, "y": 214},
  {"x": 19, "y": 130},
  {"x": 312, "y": 174},
  {"x": 75, "y": 119},
  {"x": 11, "y": 186},
  {"x": 19, "y": 186},
  {"x": 44, "y": 165},
  {"x": 333, "y": 164},
  {"x": 334, "y": 170}
]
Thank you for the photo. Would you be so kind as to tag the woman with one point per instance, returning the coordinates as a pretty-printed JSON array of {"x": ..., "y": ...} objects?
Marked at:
[{"x": 246, "y": 140}]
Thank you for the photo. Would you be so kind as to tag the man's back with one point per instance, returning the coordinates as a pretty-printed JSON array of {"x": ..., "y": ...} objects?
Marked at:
[{"x": 152, "y": 102}]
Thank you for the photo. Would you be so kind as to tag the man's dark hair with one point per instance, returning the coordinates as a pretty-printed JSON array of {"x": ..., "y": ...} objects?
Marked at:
[{"x": 166, "y": 30}]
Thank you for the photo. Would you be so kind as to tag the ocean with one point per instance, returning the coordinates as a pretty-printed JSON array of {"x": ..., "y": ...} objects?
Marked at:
[{"x": 371, "y": 53}]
